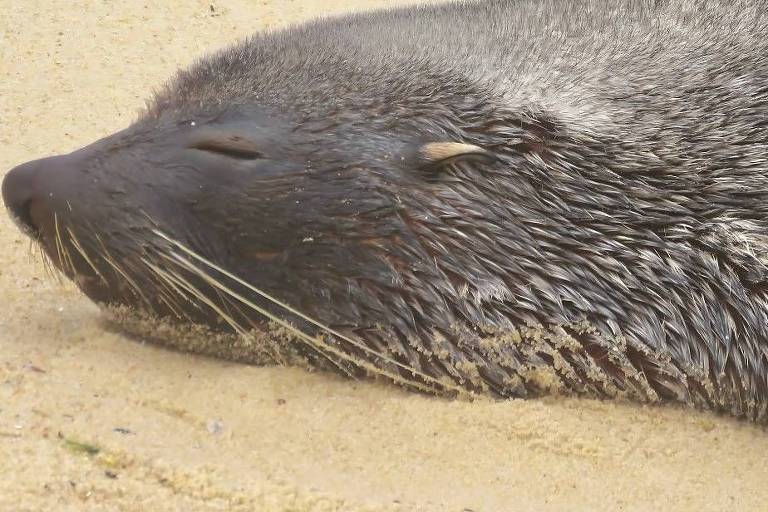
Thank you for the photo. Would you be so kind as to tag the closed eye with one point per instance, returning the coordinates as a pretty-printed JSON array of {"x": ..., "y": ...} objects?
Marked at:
[{"x": 232, "y": 148}]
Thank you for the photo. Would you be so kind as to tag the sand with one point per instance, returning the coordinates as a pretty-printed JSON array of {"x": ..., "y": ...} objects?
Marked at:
[{"x": 90, "y": 420}]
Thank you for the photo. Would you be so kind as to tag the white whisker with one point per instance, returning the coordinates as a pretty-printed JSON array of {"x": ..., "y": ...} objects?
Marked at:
[
  {"x": 318, "y": 341},
  {"x": 288, "y": 308},
  {"x": 76, "y": 244}
]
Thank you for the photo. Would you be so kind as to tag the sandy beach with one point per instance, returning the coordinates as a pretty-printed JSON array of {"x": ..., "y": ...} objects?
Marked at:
[{"x": 91, "y": 420}]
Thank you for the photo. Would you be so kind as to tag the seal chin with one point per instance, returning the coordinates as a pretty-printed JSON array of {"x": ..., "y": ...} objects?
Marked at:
[{"x": 94, "y": 288}]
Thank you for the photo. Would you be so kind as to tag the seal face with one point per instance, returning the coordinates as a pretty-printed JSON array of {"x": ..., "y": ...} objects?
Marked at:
[{"x": 497, "y": 197}]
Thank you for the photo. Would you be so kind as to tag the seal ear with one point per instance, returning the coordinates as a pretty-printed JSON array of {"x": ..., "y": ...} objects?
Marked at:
[{"x": 434, "y": 154}]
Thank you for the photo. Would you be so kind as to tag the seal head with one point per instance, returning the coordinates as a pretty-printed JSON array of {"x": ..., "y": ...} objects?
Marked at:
[{"x": 499, "y": 199}]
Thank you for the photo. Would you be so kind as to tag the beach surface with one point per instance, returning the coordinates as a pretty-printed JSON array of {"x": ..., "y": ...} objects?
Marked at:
[{"x": 91, "y": 420}]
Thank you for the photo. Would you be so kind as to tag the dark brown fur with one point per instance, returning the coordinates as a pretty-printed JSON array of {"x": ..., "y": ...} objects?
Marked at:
[{"x": 607, "y": 235}]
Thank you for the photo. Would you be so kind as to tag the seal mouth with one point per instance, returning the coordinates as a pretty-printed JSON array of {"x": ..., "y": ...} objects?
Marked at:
[{"x": 24, "y": 223}]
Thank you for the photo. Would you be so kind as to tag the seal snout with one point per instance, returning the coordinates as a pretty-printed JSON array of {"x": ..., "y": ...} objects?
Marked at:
[
  {"x": 31, "y": 190},
  {"x": 19, "y": 193}
]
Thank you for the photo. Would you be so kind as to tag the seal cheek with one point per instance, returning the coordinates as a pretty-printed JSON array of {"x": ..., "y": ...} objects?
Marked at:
[
  {"x": 93, "y": 286},
  {"x": 266, "y": 256}
]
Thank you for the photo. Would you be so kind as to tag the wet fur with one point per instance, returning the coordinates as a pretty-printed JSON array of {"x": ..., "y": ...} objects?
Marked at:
[{"x": 619, "y": 239}]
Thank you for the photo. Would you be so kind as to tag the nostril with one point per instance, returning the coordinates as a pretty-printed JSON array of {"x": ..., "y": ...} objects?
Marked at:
[{"x": 18, "y": 192}]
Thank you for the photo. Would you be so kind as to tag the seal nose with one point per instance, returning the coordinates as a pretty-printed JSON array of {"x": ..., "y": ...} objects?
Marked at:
[{"x": 18, "y": 192}]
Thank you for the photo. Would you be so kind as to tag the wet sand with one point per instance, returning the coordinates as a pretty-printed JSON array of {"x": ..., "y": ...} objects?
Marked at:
[{"x": 91, "y": 420}]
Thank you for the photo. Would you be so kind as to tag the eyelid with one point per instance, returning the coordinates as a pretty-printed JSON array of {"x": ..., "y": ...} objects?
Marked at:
[
  {"x": 226, "y": 143},
  {"x": 227, "y": 148}
]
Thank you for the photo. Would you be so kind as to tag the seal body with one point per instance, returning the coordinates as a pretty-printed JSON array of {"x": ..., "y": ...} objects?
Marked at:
[{"x": 496, "y": 197}]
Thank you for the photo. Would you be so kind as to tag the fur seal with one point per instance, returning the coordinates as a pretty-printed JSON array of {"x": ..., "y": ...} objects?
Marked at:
[{"x": 491, "y": 197}]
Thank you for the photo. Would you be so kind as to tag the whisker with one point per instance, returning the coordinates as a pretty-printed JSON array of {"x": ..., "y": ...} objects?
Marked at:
[
  {"x": 289, "y": 327},
  {"x": 194, "y": 291},
  {"x": 164, "y": 294},
  {"x": 317, "y": 341},
  {"x": 413, "y": 371},
  {"x": 51, "y": 270},
  {"x": 107, "y": 257},
  {"x": 173, "y": 289},
  {"x": 313, "y": 342},
  {"x": 61, "y": 246},
  {"x": 165, "y": 281},
  {"x": 168, "y": 283},
  {"x": 163, "y": 297},
  {"x": 76, "y": 244},
  {"x": 57, "y": 240}
]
